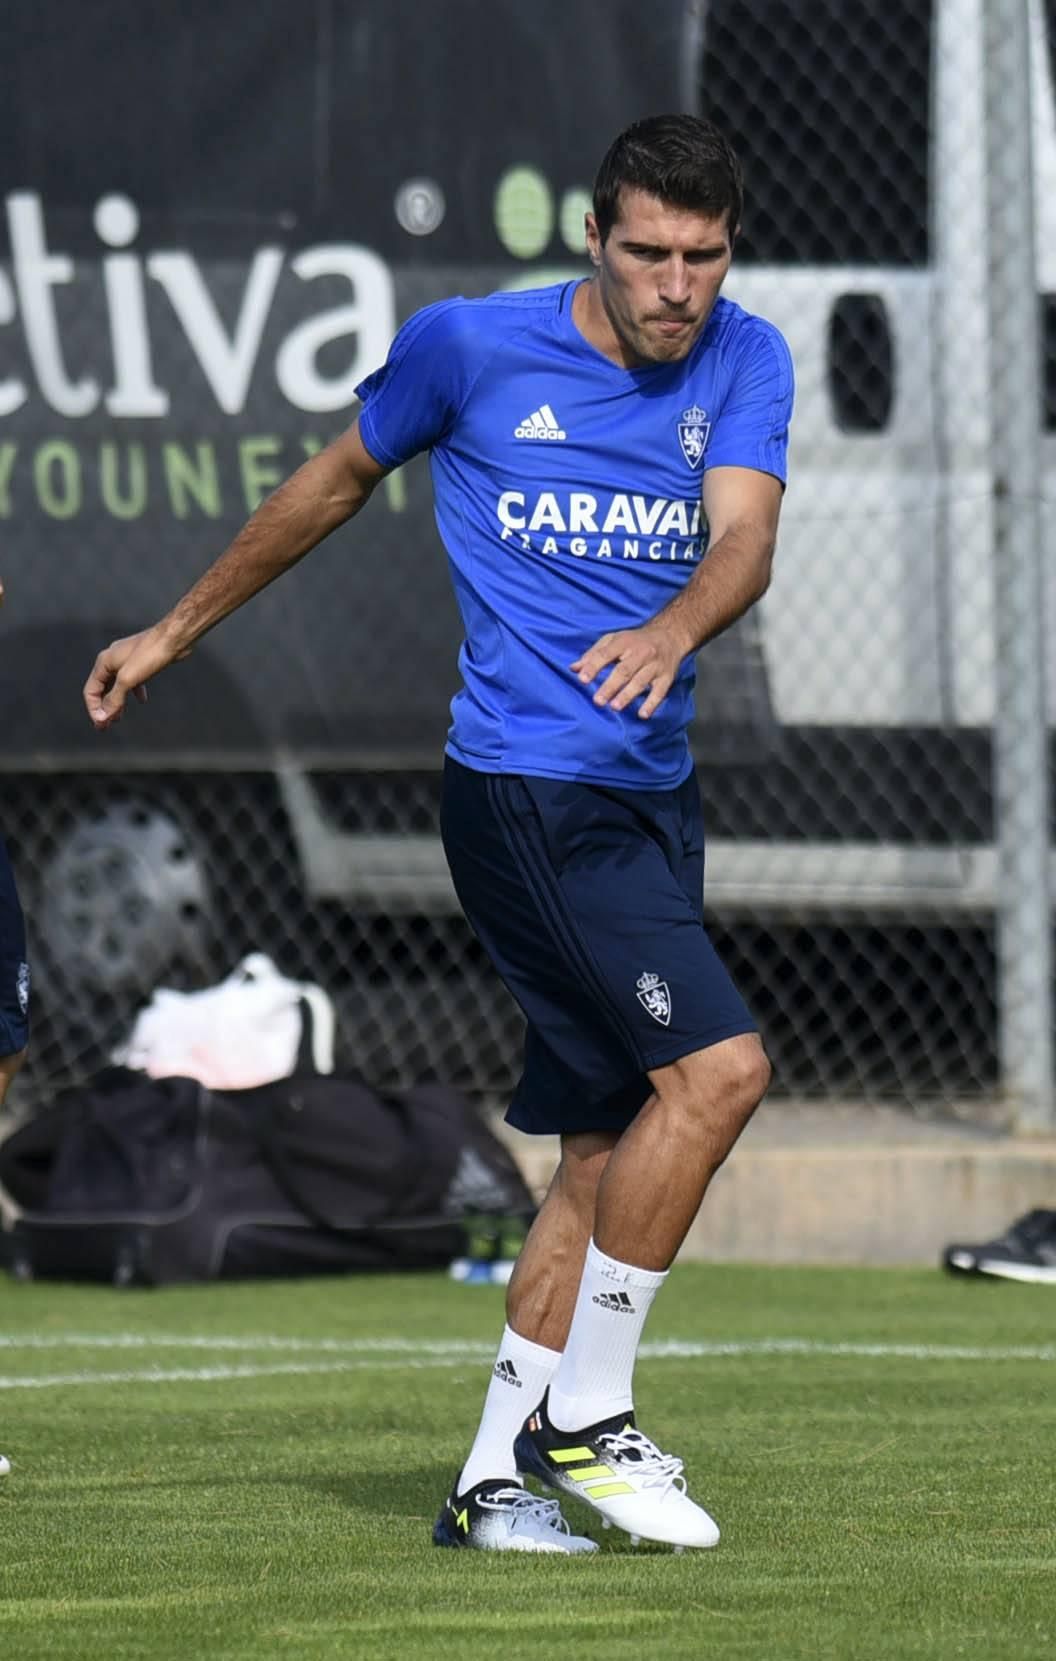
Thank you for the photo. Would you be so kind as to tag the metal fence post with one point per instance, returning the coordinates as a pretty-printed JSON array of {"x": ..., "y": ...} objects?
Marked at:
[{"x": 1024, "y": 943}]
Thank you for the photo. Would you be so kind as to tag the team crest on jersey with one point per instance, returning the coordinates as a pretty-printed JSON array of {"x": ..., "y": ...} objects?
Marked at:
[
  {"x": 654, "y": 997},
  {"x": 693, "y": 430}
]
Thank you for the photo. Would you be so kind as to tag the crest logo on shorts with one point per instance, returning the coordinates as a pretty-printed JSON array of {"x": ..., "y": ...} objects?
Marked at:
[
  {"x": 22, "y": 987},
  {"x": 693, "y": 430},
  {"x": 654, "y": 997}
]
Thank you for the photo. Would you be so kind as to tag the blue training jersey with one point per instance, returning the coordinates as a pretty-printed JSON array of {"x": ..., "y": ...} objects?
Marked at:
[{"x": 567, "y": 494}]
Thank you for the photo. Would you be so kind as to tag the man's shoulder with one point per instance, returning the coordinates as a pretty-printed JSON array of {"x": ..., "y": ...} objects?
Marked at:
[
  {"x": 736, "y": 333},
  {"x": 491, "y": 316},
  {"x": 531, "y": 304}
]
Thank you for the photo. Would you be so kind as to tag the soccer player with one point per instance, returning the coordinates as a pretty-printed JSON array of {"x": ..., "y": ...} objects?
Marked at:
[
  {"x": 14, "y": 972},
  {"x": 608, "y": 461}
]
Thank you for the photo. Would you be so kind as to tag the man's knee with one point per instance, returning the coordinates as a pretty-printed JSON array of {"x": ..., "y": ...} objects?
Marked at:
[
  {"x": 584, "y": 1157},
  {"x": 732, "y": 1076},
  {"x": 746, "y": 1075}
]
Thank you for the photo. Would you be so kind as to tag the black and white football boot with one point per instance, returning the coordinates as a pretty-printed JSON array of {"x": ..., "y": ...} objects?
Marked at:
[
  {"x": 503, "y": 1516},
  {"x": 621, "y": 1473}
]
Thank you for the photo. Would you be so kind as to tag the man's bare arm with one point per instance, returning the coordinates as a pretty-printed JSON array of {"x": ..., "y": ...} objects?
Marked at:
[
  {"x": 324, "y": 493},
  {"x": 742, "y": 508}
]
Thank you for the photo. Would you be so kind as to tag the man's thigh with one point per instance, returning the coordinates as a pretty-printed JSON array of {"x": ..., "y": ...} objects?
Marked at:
[
  {"x": 625, "y": 875},
  {"x": 587, "y": 901}
]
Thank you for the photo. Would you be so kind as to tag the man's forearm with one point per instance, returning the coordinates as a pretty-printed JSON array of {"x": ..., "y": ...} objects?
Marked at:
[
  {"x": 316, "y": 499},
  {"x": 734, "y": 573}
]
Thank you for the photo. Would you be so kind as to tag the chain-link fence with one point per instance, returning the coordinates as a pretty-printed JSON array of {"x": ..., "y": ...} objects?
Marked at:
[{"x": 214, "y": 296}]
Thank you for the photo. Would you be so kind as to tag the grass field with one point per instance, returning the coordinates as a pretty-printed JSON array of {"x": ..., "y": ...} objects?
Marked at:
[{"x": 253, "y": 1471}]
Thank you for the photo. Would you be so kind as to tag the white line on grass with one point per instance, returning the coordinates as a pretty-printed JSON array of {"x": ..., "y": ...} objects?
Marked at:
[
  {"x": 816, "y": 1346},
  {"x": 359, "y": 1354},
  {"x": 208, "y": 1375},
  {"x": 472, "y": 1349},
  {"x": 460, "y": 1347}
]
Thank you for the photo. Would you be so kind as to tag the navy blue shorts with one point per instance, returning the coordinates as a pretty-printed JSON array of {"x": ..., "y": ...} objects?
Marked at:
[
  {"x": 14, "y": 968},
  {"x": 589, "y": 902}
]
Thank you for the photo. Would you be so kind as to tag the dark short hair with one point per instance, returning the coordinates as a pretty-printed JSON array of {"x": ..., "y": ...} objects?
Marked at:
[{"x": 679, "y": 158}]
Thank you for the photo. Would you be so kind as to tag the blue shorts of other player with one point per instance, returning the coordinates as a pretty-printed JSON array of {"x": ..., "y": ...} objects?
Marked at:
[{"x": 14, "y": 977}]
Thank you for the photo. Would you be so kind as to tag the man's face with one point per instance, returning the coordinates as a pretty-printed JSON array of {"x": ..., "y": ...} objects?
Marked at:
[{"x": 659, "y": 274}]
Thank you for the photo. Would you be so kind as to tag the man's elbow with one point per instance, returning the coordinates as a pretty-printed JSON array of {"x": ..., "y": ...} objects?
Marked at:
[{"x": 764, "y": 571}]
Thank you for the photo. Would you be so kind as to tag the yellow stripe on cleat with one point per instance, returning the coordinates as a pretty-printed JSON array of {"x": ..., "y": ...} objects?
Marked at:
[
  {"x": 604, "y": 1490},
  {"x": 572, "y": 1456},
  {"x": 588, "y": 1473}
]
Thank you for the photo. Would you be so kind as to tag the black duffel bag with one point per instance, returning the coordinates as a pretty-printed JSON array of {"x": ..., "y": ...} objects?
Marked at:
[{"x": 141, "y": 1181}]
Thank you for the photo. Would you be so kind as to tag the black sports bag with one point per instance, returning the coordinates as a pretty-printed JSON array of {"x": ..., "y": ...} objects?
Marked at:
[{"x": 141, "y": 1181}]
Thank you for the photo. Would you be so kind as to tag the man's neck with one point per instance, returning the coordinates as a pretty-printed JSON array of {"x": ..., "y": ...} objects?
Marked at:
[{"x": 594, "y": 324}]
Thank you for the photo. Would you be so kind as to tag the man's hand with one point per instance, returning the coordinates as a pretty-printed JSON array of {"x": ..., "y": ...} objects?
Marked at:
[
  {"x": 646, "y": 661},
  {"x": 121, "y": 668}
]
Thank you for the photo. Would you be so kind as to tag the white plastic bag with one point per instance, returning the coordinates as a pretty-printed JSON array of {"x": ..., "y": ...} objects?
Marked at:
[{"x": 248, "y": 1030}]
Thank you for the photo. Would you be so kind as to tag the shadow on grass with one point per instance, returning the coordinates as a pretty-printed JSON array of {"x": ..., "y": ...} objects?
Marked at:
[
  {"x": 417, "y": 1495},
  {"x": 411, "y": 1495}
]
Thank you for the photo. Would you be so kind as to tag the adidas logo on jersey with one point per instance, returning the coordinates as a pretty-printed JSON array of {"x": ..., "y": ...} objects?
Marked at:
[{"x": 542, "y": 423}]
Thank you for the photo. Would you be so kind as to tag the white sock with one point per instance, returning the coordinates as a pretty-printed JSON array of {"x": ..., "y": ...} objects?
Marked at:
[
  {"x": 593, "y": 1378},
  {"x": 519, "y": 1381}
]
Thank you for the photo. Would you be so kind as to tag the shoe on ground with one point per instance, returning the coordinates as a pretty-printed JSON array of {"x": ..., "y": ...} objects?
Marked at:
[
  {"x": 1026, "y": 1251},
  {"x": 619, "y": 1472},
  {"x": 503, "y": 1516}
]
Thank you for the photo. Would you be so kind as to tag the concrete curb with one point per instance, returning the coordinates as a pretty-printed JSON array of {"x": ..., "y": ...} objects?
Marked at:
[{"x": 851, "y": 1185}]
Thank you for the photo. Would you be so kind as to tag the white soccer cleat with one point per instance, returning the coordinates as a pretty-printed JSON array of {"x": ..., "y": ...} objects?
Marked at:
[
  {"x": 502, "y": 1516},
  {"x": 621, "y": 1473}
]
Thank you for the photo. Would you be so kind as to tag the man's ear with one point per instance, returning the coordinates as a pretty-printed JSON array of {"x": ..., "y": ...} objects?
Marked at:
[{"x": 593, "y": 238}]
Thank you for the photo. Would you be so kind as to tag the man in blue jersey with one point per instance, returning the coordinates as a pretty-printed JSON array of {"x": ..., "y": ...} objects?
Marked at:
[
  {"x": 14, "y": 972},
  {"x": 590, "y": 443}
]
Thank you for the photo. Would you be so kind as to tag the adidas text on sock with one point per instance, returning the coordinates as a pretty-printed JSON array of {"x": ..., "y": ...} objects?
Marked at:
[
  {"x": 594, "y": 1378},
  {"x": 519, "y": 1381}
]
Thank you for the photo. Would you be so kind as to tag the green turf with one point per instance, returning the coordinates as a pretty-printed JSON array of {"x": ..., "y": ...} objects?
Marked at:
[{"x": 872, "y": 1506}]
